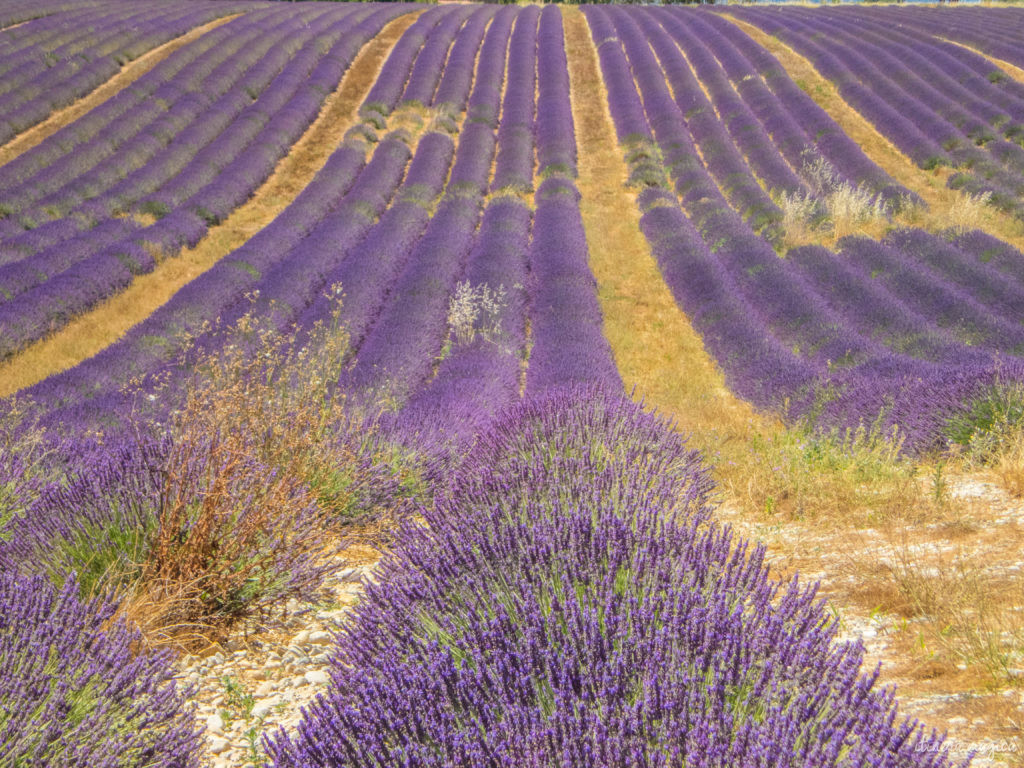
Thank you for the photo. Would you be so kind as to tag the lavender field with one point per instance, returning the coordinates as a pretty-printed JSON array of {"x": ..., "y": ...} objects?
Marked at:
[{"x": 390, "y": 384}]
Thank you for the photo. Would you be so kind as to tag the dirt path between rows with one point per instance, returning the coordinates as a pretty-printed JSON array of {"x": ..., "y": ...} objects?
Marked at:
[
  {"x": 655, "y": 347},
  {"x": 92, "y": 332}
]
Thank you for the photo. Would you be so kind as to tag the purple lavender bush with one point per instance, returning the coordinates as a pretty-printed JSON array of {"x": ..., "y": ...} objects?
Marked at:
[
  {"x": 567, "y": 601},
  {"x": 74, "y": 691}
]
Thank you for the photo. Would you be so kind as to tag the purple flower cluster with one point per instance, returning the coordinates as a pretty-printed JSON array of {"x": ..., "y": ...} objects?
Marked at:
[
  {"x": 567, "y": 601},
  {"x": 76, "y": 692}
]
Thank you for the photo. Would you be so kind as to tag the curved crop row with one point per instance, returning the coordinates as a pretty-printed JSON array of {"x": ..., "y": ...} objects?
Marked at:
[
  {"x": 50, "y": 287},
  {"x": 53, "y": 71},
  {"x": 784, "y": 335},
  {"x": 939, "y": 103}
]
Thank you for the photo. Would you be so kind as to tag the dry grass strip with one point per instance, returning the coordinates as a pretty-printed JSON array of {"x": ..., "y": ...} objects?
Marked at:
[
  {"x": 1010, "y": 69},
  {"x": 656, "y": 349},
  {"x": 97, "y": 329},
  {"x": 128, "y": 75},
  {"x": 945, "y": 205}
]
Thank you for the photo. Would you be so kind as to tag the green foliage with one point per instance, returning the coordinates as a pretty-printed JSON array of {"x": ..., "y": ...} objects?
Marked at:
[
  {"x": 982, "y": 427},
  {"x": 155, "y": 208},
  {"x": 106, "y": 555}
]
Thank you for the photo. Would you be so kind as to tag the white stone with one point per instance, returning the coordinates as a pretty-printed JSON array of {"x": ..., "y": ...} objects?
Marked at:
[
  {"x": 215, "y": 724},
  {"x": 219, "y": 745},
  {"x": 320, "y": 638},
  {"x": 350, "y": 575},
  {"x": 316, "y": 677},
  {"x": 264, "y": 707}
]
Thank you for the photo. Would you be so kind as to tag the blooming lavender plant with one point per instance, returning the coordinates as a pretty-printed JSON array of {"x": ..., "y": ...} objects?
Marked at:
[
  {"x": 567, "y": 601},
  {"x": 76, "y": 691}
]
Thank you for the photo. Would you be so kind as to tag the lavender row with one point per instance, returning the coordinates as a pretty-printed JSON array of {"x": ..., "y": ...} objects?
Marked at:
[
  {"x": 454, "y": 85},
  {"x": 319, "y": 230},
  {"x": 486, "y": 346},
  {"x": 480, "y": 373},
  {"x": 346, "y": 195},
  {"x": 798, "y": 125},
  {"x": 88, "y": 35},
  {"x": 397, "y": 354},
  {"x": 485, "y": 101},
  {"x": 566, "y": 324},
  {"x": 920, "y": 105},
  {"x": 135, "y": 121},
  {"x": 704, "y": 49},
  {"x": 426, "y": 72},
  {"x": 515, "y": 164},
  {"x": 556, "y": 140},
  {"x": 36, "y": 312},
  {"x": 405, "y": 329},
  {"x": 15, "y": 12},
  {"x": 49, "y": 79},
  {"x": 27, "y": 45},
  {"x": 717, "y": 152},
  {"x": 278, "y": 93},
  {"x": 388, "y": 87},
  {"x": 567, "y": 602},
  {"x": 994, "y": 31},
  {"x": 783, "y": 333},
  {"x": 784, "y": 291},
  {"x": 367, "y": 274},
  {"x": 141, "y": 165},
  {"x": 750, "y": 267}
]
